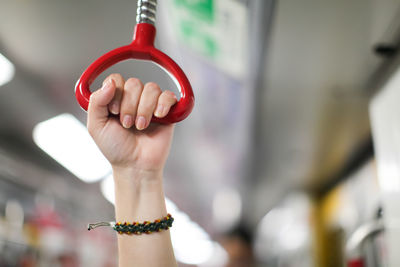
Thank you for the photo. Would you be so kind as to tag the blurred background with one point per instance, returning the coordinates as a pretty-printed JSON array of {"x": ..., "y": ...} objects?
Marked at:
[{"x": 291, "y": 156}]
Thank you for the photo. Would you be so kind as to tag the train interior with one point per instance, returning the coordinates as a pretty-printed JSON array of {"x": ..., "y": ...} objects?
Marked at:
[{"x": 290, "y": 157}]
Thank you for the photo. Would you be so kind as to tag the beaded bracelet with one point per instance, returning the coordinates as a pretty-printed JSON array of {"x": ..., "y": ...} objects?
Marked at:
[{"x": 137, "y": 228}]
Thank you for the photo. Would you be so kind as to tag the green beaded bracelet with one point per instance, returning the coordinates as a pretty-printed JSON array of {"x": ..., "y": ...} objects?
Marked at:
[{"x": 137, "y": 228}]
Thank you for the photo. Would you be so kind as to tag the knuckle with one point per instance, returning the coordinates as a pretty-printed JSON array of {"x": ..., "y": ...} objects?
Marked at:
[
  {"x": 93, "y": 96},
  {"x": 168, "y": 97},
  {"x": 152, "y": 87},
  {"x": 169, "y": 94},
  {"x": 116, "y": 77},
  {"x": 133, "y": 83}
]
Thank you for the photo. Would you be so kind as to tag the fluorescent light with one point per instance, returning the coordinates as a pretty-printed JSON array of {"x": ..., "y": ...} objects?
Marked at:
[
  {"x": 389, "y": 174},
  {"x": 192, "y": 245},
  {"x": 7, "y": 70},
  {"x": 107, "y": 189},
  {"x": 384, "y": 114},
  {"x": 67, "y": 140},
  {"x": 284, "y": 229},
  {"x": 226, "y": 218}
]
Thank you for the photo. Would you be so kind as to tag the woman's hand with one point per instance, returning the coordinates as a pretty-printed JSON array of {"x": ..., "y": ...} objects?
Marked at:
[{"x": 119, "y": 116}]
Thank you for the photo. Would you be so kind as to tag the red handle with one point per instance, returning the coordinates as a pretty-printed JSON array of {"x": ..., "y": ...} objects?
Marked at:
[
  {"x": 143, "y": 48},
  {"x": 355, "y": 263}
]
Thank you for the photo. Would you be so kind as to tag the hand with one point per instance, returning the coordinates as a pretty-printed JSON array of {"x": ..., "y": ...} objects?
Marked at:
[{"x": 119, "y": 118}]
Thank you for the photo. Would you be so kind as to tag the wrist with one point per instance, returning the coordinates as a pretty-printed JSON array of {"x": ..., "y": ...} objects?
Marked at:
[
  {"x": 135, "y": 175},
  {"x": 138, "y": 194}
]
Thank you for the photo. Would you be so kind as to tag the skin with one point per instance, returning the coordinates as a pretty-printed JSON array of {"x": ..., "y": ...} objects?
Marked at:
[{"x": 119, "y": 117}]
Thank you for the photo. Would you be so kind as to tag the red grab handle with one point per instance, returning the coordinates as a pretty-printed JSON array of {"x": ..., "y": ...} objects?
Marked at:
[
  {"x": 142, "y": 47},
  {"x": 355, "y": 263}
]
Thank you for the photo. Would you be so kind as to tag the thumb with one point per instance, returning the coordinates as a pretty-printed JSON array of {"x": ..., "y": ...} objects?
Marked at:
[{"x": 98, "y": 104}]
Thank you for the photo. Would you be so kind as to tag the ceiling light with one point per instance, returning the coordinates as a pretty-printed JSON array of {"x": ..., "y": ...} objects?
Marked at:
[
  {"x": 7, "y": 70},
  {"x": 224, "y": 218},
  {"x": 384, "y": 113},
  {"x": 67, "y": 140},
  {"x": 284, "y": 229},
  {"x": 107, "y": 189},
  {"x": 192, "y": 245}
]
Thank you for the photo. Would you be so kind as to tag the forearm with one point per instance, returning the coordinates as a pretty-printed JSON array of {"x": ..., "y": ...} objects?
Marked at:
[{"x": 139, "y": 197}]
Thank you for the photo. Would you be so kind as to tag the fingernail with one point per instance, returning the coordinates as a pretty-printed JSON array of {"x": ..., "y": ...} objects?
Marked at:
[
  {"x": 159, "y": 111},
  {"x": 106, "y": 85},
  {"x": 140, "y": 123},
  {"x": 114, "y": 108},
  {"x": 127, "y": 121}
]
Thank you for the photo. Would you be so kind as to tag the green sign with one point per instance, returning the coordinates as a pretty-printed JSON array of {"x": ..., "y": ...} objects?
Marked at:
[
  {"x": 204, "y": 9},
  {"x": 198, "y": 39}
]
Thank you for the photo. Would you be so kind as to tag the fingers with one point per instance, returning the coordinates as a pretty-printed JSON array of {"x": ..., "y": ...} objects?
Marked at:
[
  {"x": 135, "y": 102},
  {"x": 98, "y": 104},
  {"x": 166, "y": 100},
  {"x": 147, "y": 105},
  {"x": 130, "y": 101},
  {"x": 114, "y": 106},
  {"x": 139, "y": 102}
]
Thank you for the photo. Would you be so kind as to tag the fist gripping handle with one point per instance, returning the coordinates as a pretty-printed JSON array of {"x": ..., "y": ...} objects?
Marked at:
[{"x": 142, "y": 47}]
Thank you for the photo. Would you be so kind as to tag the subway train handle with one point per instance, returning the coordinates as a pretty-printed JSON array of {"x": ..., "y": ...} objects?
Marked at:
[{"x": 142, "y": 48}]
